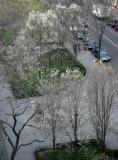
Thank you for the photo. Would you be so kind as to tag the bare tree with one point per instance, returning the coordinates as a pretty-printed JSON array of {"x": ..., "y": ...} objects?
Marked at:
[
  {"x": 102, "y": 89},
  {"x": 74, "y": 113},
  {"x": 52, "y": 118},
  {"x": 12, "y": 122},
  {"x": 74, "y": 100}
]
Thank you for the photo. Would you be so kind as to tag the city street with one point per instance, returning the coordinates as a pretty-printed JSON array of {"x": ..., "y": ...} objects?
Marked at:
[{"x": 110, "y": 43}]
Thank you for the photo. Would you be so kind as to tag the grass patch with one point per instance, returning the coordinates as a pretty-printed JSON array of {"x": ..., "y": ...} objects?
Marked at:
[
  {"x": 60, "y": 59},
  {"x": 7, "y": 38},
  {"x": 36, "y": 5},
  {"x": 22, "y": 87},
  {"x": 51, "y": 66}
]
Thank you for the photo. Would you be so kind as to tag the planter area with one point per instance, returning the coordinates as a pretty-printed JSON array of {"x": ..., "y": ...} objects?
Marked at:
[
  {"x": 87, "y": 150},
  {"x": 54, "y": 67}
]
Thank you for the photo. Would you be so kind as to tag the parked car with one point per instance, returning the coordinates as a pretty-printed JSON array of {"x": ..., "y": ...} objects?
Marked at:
[
  {"x": 113, "y": 23},
  {"x": 92, "y": 45},
  {"x": 85, "y": 30},
  {"x": 100, "y": 11},
  {"x": 104, "y": 55},
  {"x": 109, "y": 23},
  {"x": 116, "y": 28},
  {"x": 81, "y": 35}
]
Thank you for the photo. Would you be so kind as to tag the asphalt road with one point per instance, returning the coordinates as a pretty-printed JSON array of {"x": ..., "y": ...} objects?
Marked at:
[{"x": 110, "y": 43}]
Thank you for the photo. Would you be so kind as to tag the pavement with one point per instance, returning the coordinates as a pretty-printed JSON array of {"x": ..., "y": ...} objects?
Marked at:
[
  {"x": 3, "y": 152},
  {"x": 87, "y": 60},
  {"x": 4, "y": 92}
]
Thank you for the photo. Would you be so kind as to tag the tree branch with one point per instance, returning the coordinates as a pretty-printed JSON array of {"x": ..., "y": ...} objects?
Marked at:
[
  {"x": 26, "y": 122},
  {"x": 26, "y": 144},
  {"x": 34, "y": 127},
  {"x": 6, "y": 124},
  {"x": 7, "y": 137}
]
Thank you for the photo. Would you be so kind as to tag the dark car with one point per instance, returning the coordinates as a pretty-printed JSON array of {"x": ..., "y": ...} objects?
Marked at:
[
  {"x": 81, "y": 35},
  {"x": 113, "y": 23},
  {"x": 92, "y": 45},
  {"x": 109, "y": 23},
  {"x": 95, "y": 52},
  {"x": 104, "y": 55},
  {"x": 116, "y": 28}
]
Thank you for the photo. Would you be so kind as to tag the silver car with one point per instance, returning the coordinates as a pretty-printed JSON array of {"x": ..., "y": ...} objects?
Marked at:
[{"x": 104, "y": 56}]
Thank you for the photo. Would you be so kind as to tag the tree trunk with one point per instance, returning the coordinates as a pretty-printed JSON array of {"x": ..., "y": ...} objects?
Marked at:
[
  {"x": 75, "y": 130},
  {"x": 53, "y": 140},
  {"x": 99, "y": 48},
  {"x": 49, "y": 63},
  {"x": 54, "y": 146},
  {"x": 14, "y": 151},
  {"x": 75, "y": 50},
  {"x": 13, "y": 155},
  {"x": 75, "y": 137},
  {"x": 61, "y": 59},
  {"x": 76, "y": 154}
]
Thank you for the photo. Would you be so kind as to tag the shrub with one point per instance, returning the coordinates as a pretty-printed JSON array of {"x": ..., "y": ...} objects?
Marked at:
[
  {"x": 7, "y": 38},
  {"x": 89, "y": 150},
  {"x": 24, "y": 87},
  {"x": 112, "y": 153}
]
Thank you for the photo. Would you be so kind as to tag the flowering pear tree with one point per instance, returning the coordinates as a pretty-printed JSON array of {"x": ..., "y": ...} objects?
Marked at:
[
  {"x": 71, "y": 18},
  {"x": 45, "y": 30}
]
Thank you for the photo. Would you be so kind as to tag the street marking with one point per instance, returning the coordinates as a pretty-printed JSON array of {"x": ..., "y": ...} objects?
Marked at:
[{"x": 105, "y": 37}]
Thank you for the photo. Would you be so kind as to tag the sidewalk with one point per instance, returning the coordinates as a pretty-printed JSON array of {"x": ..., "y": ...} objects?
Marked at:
[
  {"x": 86, "y": 58},
  {"x": 4, "y": 92}
]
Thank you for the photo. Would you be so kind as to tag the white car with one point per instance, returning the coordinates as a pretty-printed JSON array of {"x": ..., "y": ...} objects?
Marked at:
[
  {"x": 104, "y": 56},
  {"x": 101, "y": 11}
]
